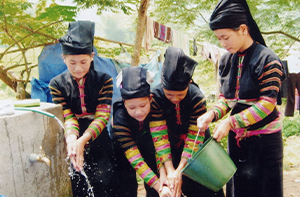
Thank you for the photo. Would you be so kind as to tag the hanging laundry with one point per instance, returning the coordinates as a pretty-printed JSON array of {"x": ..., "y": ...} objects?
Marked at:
[
  {"x": 149, "y": 33},
  {"x": 156, "y": 29},
  {"x": 168, "y": 35},
  {"x": 211, "y": 52},
  {"x": 180, "y": 40},
  {"x": 195, "y": 48},
  {"x": 293, "y": 84},
  {"x": 162, "y": 32}
]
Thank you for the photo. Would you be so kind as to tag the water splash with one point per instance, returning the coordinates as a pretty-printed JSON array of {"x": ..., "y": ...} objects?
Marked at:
[
  {"x": 71, "y": 173},
  {"x": 90, "y": 188},
  {"x": 59, "y": 122}
]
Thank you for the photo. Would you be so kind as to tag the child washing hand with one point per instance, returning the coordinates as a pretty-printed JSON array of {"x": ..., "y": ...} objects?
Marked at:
[
  {"x": 131, "y": 115},
  {"x": 85, "y": 95}
]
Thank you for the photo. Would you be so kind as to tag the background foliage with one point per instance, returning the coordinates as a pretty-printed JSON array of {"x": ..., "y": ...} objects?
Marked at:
[{"x": 278, "y": 20}]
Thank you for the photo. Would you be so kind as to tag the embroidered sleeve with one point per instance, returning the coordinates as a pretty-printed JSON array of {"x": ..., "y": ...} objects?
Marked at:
[
  {"x": 269, "y": 82},
  {"x": 70, "y": 121},
  {"x": 159, "y": 132},
  {"x": 133, "y": 155},
  {"x": 158, "y": 162},
  {"x": 102, "y": 113},
  {"x": 137, "y": 162},
  {"x": 56, "y": 95},
  {"x": 190, "y": 146},
  {"x": 221, "y": 108}
]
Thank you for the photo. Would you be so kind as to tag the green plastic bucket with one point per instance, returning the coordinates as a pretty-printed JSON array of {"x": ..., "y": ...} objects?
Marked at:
[{"x": 210, "y": 166}]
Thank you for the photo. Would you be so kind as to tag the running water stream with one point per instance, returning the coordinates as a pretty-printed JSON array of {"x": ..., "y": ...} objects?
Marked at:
[
  {"x": 70, "y": 168},
  {"x": 90, "y": 190}
]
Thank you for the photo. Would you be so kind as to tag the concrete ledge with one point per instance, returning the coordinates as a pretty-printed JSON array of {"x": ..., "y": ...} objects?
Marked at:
[{"x": 22, "y": 134}]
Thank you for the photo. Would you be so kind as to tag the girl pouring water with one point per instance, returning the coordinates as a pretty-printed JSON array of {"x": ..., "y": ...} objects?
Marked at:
[
  {"x": 177, "y": 103},
  {"x": 250, "y": 76}
]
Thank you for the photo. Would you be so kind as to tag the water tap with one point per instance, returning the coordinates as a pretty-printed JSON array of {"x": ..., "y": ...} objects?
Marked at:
[{"x": 41, "y": 157}]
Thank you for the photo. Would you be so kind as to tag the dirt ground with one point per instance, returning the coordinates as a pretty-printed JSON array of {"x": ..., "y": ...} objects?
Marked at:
[
  {"x": 291, "y": 183},
  {"x": 291, "y": 173},
  {"x": 291, "y": 162}
]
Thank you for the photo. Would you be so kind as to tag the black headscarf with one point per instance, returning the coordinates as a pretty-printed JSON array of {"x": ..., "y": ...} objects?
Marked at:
[
  {"x": 231, "y": 14},
  {"x": 134, "y": 83},
  {"x": 79, "y": 38},
  {"x": 177, "y": 69}
]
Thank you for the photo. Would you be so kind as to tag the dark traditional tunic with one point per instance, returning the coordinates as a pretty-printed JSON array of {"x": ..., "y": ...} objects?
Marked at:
[
  {"x": 86, "y": 108},
  {"x": 249, "y": 86},
  {"x": 174, "y": 130},
  {"x": 136, "y": 142}
]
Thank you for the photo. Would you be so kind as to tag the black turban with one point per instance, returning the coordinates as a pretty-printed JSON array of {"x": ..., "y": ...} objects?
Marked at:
[
  {"x": 177, "y": 69},
  {"x": 230, "y": 14},
  {"x": 79, "y": 38},
  {"x": 134, "y": 83}
]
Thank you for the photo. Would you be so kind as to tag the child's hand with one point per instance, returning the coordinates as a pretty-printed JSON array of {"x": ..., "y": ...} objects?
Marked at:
[
  {"x": 222, "y": 129},
  {"x": 79, "y": 144},
  {"x": 178, "y": 183},
  {"x": 165, "y": 192},
  {"x": 171, "y": 177},
  {"x": 75, "y": 149},
  {"x": 163, "y": 178},
  {"x": 71, "y": 149},
  {"x": 204, "y": 120}
]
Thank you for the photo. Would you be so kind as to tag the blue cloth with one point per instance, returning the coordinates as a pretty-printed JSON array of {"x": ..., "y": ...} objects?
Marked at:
[
  {"x": 40, "y": 90},
  {"x": 107, "y": 66},
  {"x": 51, "y": 63},
  {"x": 155, "y": 67}
]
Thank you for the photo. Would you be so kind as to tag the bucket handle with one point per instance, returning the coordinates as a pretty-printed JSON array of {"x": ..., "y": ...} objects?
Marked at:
[{"x": 195, "y": 141}]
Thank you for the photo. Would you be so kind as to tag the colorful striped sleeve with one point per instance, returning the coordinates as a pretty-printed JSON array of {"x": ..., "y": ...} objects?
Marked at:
[
  {"x": 190, "y": 146},
  {"x": 269, "y": 82},
  {"x": 158, "y": 162},
  {"x": 70, "y": 121},
  {"x": 137, "y": 162},
  {"x": 103, "y": 109},
  {"x": 221, "y": 108},
  {"x": 159, "y": 132},
  {"x": 133, "y": 154}
]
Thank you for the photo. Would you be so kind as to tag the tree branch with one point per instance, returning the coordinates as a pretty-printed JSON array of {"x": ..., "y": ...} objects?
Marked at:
[
  {"x": 31, "y": 47},
  {"x": 190, "y": 10},
  {"x": 22, "y": 94},
  {"x": 32, "y": 32},
  {"x": 283, "y": 33}
]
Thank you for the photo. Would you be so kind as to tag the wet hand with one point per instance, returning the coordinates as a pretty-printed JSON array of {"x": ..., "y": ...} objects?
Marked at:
[
  {"x": 163, "y": 182},
  {"x": 79, "y": 154},
  {"x": 171, "y": 179},
  {"x": 178, "y": 183},
  {"x": 71, "y": 149},
  {"x": 165, "y": 192},
  {"x": 79, "y": 145}
]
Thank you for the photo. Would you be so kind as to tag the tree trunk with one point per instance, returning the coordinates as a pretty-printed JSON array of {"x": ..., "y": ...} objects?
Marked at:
[
  {"x": 7, "y": 80},
  {"x": 139, "y": 32}
]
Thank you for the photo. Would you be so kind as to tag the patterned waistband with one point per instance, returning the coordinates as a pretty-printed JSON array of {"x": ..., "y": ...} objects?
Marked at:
[{"x": 273, "y": 127}]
